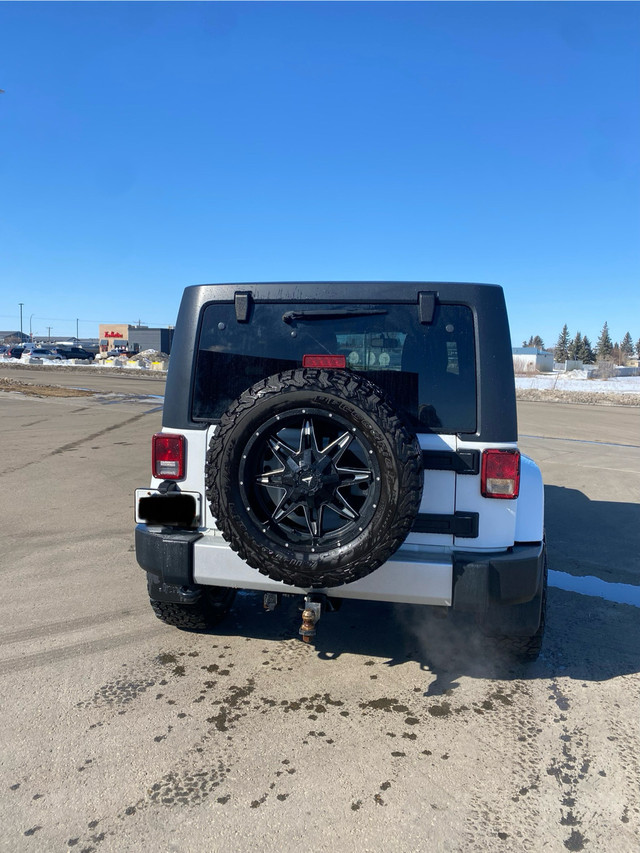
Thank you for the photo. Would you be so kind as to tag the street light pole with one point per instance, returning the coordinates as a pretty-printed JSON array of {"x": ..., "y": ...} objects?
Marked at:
[
  {"x": 20, "y": 304},
  {"x": 30, "y": 332},
  {"x": 77, "y": 336}
]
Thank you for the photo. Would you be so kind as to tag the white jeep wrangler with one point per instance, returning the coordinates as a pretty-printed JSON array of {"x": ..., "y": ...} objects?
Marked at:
[{"x": 344, "y": 440}]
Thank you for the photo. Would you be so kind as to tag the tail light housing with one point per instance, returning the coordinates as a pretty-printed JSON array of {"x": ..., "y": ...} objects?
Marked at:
[
  {"x": 500, "y": 474},
  {"x": 168, "y": 455}
]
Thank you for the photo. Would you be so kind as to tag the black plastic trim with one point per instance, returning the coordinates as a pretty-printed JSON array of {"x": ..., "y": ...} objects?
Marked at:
[
  {"x": 460, "y": 461},
  {"x": 461, "y": 524},
  {"x": 167, "y": 554},
  {"x": 243, "y": 306},
  {"x": 504, "y": 591},
  {"x": 426, "y": 307},
  {"x": 509, "y": 577}
]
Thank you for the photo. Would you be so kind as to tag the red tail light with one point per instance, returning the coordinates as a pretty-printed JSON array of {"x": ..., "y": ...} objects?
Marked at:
[
  {"x": 168, "y": 452},
  {"x": 500, "y": 474},
  {"x": 311, "y": 360}
]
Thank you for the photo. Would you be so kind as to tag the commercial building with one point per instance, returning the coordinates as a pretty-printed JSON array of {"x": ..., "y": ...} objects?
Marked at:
[
  {"x": 13, "y": 337},
  {"x": 134, "y": 338},
  {"x": 532, "y": 360}
]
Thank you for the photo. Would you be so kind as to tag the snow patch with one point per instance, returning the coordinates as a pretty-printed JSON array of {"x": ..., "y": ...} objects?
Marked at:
[
  {"x": 578, "y": 380},
  {"x": 620, "y": 593}
]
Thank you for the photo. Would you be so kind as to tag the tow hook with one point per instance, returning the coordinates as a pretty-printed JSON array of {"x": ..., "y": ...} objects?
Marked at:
[{"x": 311, "y": 613}]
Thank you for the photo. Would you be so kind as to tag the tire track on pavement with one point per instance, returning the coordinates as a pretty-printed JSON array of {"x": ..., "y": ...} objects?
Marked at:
[
  {"x": 67, "y": 626},
  {"x": 77, "y": 443},
  {"x": 26, "y": 662}
]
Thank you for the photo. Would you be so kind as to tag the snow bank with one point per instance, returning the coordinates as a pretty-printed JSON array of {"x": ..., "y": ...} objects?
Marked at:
[
  {"x": 146, "y": 360},
  {"x": 159, "y": 361},
  {"x": 577, "y": 380}
]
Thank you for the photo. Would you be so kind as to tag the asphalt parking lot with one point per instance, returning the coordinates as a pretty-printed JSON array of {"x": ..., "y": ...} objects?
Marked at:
[{"x": 394, "y": 733}]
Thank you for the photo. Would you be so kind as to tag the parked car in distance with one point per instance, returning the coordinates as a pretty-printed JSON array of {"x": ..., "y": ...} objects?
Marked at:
[
  {"x": 115, "y": 353},
  {"x": 28, "y": 348},
  {"x": 14, "y": 351},
  {"x": 75, "y": 352},
  {"x": 43, "y": 353}
]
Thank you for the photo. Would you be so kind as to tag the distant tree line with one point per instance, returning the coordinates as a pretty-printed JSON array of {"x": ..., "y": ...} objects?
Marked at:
[{"x": 579, "y": 347}]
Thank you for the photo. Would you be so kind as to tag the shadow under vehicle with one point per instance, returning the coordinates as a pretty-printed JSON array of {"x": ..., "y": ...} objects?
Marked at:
[{"x": 587, "y": 638}]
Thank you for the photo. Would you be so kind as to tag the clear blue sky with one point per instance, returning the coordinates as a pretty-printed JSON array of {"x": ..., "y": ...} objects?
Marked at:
[{"x": 149, "y": 146}]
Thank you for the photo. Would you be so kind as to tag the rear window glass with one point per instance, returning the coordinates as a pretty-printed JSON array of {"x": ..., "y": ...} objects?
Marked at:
[{"x": 428, "y": 371}]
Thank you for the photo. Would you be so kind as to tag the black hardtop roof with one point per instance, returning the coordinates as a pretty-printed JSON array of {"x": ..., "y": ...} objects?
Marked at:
[{"x": 379, "y": 291}]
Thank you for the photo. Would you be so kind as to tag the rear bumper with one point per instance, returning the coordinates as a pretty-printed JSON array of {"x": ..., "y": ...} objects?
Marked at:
[
  {"x": 481, "y": 583},
  {"x": 505, "y": 592},
  {"x": 168, "y": 554},
  {"x": 511, "y": 577}
]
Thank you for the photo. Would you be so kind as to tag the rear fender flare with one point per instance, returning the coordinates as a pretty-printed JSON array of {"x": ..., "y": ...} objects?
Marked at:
[{"x": 530, "y": 503}]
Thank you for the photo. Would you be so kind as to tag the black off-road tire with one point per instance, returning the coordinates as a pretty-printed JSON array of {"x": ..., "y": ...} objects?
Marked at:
[
  {"x": 333, "y": 415},
  {"x": 207, "y": 612}
]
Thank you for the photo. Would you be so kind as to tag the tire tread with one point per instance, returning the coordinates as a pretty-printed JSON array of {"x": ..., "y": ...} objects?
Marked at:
[{"x": 204, "y": 614}]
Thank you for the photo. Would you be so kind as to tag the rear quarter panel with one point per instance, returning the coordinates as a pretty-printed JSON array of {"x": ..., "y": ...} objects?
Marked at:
[
  {"x": 497, "y": 518},
  {"x": 530, "y": 504}
]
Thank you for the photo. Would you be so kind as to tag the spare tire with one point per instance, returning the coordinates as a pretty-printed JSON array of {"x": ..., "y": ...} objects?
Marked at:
[{"x": 312, "y": 477}]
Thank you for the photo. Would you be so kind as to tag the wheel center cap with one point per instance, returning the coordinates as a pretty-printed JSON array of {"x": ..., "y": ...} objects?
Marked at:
[
  {"x": 313, "y": 473},
  {"x": 313, "y": 481}
]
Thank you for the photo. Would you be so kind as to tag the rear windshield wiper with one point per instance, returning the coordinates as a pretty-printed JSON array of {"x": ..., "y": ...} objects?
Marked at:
[{"x": 331, "y": 314}]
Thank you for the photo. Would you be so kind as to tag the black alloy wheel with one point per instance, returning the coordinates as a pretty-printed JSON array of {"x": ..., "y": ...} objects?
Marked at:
[{"x": 310, "y": 478}]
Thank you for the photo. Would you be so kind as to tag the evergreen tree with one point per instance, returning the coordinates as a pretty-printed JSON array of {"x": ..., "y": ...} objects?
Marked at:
[
  {"x": 561, "y": 352},
  {"x": 575, "y": 347},
  {"x": 604, "y": 347},
  {"x": 626, "y": 347},
  {"x": 587, "y": 354},
  {"x": 534, "y": 341},
  {"x": 638, "y": 347}
]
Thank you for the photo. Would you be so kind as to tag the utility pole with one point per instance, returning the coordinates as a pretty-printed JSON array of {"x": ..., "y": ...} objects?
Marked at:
[
  {"x": 77, "y": 336},
  {"x": 20, "y": 304},
  {"x": 49, "y": 332}
]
